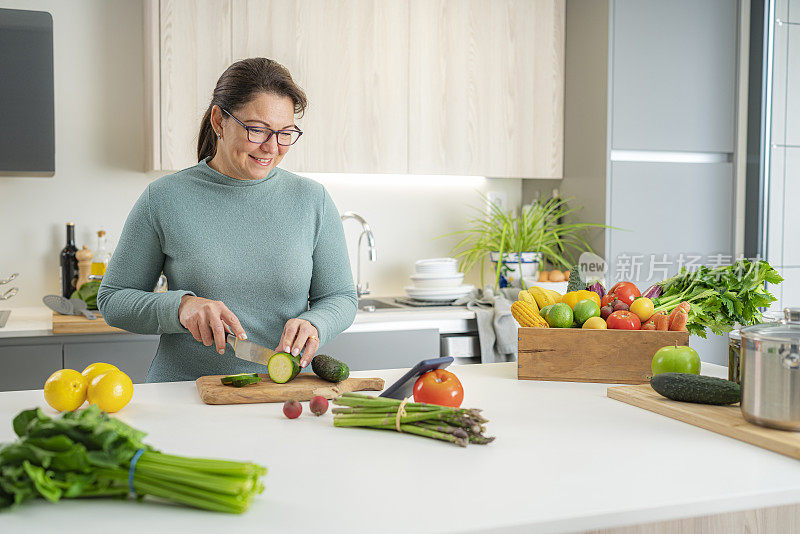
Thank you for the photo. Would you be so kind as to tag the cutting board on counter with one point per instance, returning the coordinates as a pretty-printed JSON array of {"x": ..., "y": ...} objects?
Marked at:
[
  {"x": 302, "y": 388},
  {"x": 78, "y": 324},
  {"x": 726, "y": 420}
]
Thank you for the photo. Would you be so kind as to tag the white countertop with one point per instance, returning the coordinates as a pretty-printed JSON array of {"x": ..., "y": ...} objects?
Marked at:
[
  {"x": 566, "y": 459},
  {"x": 37, "y": 320}
]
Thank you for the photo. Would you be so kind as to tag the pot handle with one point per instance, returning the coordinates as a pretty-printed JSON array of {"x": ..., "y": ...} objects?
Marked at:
[{"x": 791, "y": 315}]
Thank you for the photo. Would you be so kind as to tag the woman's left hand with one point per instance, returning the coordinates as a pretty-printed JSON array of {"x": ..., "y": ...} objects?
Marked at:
[{"x": 299, "y": 335}]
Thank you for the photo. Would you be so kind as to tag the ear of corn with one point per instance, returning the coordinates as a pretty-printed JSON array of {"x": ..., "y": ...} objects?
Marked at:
[
  {"x": 555, "y": 294},
  {"x": 527, "y": 316},
  {"x": 542, "y": 297},
  {"x": 525, "y": 296}
]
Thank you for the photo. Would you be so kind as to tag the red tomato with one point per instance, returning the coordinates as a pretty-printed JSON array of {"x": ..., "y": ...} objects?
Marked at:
[
  {"x": 439, "y": 387},
  {"x": 609, "y": 298},
  {"x": 626, "y": 292},
  {"x": 624, "y": 320}
]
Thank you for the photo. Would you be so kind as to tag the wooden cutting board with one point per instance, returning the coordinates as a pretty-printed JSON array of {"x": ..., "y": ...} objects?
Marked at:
[
  {"x": 726, "y": 420},
  {"x": 78, "y": 324},
  {"x": 302, "y": 388}
]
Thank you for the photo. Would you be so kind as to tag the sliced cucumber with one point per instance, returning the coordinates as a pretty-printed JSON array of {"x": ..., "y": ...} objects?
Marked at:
[
  {"x": 240, "y": 380},
  {"x": 283, "y": 367}
]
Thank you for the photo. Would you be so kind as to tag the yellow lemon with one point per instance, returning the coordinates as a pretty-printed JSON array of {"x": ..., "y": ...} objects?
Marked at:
[
  {"x": 595, "y": 323},
  {"x": 65, "y": 390},
  {"x": 110, "y": 391},
  {"x": 98, "y": 368}
]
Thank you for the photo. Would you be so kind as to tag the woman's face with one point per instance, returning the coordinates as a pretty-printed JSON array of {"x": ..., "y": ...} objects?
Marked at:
[{"x": 236, "y": 155}]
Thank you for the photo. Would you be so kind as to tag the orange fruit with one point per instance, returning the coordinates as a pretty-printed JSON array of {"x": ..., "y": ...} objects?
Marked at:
[
  {"x": 65, "y": 390},
  {"x": 110, "y": 391},
  {"x": 98, "y": 368}
]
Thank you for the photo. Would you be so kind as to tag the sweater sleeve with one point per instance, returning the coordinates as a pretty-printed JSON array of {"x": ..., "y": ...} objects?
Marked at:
[
  {"x": 126, "y": 297},
  {"x": 332, "y": 296}
]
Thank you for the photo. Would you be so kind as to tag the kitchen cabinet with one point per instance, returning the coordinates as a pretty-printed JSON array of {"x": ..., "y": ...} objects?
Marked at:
[
  {"x": 446, "y": 87},
  {"x": 132, "y": 356},
  {"x": 486, "y": 88},
  {"x": 26, "y": 362},
  {"x": 384, "y": 349},
  {"x": 187, "y": 47},
  {"x": 350, "y": 58},
  {"x": 674, "y": 74},
  {"x": 27, "y": 366}
]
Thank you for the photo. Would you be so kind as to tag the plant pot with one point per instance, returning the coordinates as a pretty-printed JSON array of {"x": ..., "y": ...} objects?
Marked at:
[{"x": 529, "y": 264}]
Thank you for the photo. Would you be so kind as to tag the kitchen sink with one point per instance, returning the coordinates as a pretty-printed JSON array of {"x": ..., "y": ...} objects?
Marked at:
[{"x": 371, "y": 305}]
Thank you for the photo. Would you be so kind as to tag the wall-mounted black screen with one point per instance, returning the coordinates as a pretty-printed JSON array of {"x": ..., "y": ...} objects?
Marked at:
[{"x": 27, "y": 131}]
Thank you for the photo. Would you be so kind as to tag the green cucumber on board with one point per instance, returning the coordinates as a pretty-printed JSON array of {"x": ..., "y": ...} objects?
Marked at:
[
  {"x": 283, "y": 367},
  {"x": 240, "y": 380},
  {"x": 329, "y": 368},
  {"x": 699, "y": 389}
]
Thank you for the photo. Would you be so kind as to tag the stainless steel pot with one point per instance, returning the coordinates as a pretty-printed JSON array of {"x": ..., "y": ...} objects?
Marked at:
[{"x": 770, "y": 372}]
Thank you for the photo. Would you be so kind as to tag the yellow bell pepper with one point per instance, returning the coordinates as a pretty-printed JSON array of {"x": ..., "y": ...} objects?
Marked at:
[{"x": 573, "y": 297}]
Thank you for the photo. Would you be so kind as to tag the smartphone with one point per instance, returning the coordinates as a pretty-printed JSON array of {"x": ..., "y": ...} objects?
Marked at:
[{"x": 404, "y": 387}]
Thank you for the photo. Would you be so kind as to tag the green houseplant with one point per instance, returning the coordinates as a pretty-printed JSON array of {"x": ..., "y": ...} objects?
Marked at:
[{"x": 536, "y": 229}]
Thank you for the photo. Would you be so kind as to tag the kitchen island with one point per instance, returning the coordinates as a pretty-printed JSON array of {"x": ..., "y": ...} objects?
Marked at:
[{"x": 566, "y": 459}]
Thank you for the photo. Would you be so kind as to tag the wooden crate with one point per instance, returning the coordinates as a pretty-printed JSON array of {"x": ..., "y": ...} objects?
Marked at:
[{"x": 584, "y": 355}]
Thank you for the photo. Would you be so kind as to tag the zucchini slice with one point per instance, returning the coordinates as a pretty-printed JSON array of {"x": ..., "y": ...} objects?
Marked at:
[
  {"x": 240, "y": 380},
  {"x": 282, "y": 367}
]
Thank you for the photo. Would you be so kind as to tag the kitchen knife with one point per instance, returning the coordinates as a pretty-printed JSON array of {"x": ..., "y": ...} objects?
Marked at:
[{"x": 247, "y": 350}]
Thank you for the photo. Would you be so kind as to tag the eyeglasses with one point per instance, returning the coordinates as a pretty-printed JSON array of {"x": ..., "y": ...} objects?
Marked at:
[{"x": 262, "y": 134}]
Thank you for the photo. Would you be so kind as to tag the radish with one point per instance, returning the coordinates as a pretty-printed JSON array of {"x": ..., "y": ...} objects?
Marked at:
[
  {"x": 292, "y": 409},
  {"x": 318, "y": 405}
]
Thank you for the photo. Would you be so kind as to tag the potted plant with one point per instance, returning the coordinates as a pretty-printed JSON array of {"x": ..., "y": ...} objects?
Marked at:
[{"x": 523, "y": 242}]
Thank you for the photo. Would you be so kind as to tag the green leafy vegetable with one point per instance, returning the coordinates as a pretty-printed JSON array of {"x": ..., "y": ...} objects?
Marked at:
[
  {"x": 88, "y": 293},
  {"x": 87, "y": 453},
  {"x": 720, "y": 297}
]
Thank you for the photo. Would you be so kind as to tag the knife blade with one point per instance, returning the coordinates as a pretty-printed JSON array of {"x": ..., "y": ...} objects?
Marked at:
[{"x": 247, "y": 350}]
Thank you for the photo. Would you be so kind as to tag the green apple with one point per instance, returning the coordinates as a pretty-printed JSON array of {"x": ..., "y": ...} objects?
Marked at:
[{"x": 676, "y": 359}]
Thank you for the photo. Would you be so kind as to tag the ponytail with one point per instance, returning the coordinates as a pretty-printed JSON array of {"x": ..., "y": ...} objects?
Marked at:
[{"x": 207, "y": 139}]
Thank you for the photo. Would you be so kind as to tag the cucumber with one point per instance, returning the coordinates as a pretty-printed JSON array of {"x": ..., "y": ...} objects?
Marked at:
[
  {"x": 240, "y": 380},
  {"x": 283, "y": 367},
  {"x": 329, "y": 368},
  {"x": 697, "y": 388}
]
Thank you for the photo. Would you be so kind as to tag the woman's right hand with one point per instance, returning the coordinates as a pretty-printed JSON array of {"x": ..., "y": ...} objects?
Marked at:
[{"x": 208, "y": 320}]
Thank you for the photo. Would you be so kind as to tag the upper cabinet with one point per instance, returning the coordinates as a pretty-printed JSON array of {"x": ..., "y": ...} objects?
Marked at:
[
  {"x": 461, "y": 87},
  {"x": 674, "y": 75},
  {"x": 350, "y": 57},
  {"x": 486, "y": 88}
]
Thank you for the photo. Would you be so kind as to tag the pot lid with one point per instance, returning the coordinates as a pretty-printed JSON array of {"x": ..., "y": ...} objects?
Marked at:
[{"x": 785, "y": 331}]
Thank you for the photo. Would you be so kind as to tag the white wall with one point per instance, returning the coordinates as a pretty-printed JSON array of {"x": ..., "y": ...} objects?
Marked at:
[{"x": 99, "y": 106}]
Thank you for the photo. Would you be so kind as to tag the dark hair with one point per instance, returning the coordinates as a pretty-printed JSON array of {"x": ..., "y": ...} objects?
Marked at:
[{"x": 240, "y": 83}]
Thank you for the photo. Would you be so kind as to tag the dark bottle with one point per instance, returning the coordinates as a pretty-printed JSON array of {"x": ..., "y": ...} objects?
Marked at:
[{"x": 69, "y": 263}]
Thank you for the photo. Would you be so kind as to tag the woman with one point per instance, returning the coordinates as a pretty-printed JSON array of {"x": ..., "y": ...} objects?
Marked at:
[{"x": 247, "y": 247}]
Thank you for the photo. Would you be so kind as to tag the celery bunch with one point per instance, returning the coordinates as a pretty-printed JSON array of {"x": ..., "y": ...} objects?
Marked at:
[{"x": 87, "y": 453}]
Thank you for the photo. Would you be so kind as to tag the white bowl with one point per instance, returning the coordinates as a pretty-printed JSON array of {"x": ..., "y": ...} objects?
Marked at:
[
  {"x": 437, "y": 280},
  {"x": 440, "y": 266}
]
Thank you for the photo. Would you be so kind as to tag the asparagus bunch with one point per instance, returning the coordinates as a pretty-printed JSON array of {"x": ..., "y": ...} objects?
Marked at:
[{"x": 456, "y": 425}]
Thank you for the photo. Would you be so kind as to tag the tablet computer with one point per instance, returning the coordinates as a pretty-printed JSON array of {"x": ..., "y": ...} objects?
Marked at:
[{"x": 404, "y": 387}]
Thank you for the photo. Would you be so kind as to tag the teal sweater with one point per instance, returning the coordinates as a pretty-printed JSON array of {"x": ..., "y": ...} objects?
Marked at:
[{"x": 270, "y": 249}]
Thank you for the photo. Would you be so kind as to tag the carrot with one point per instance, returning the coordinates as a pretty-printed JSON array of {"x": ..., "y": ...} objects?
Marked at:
[
  {"x": 678, "y": 322},
  {"x": 683, "y": 307},
  {"x": 661, "y": 321}
]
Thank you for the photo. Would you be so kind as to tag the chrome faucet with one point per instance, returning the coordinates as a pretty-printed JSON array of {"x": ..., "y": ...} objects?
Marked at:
[{"x": 373, "y": 253}]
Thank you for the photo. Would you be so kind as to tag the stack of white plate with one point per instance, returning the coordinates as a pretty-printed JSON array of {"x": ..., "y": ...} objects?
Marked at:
[{"x": 437, "y": 280}]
